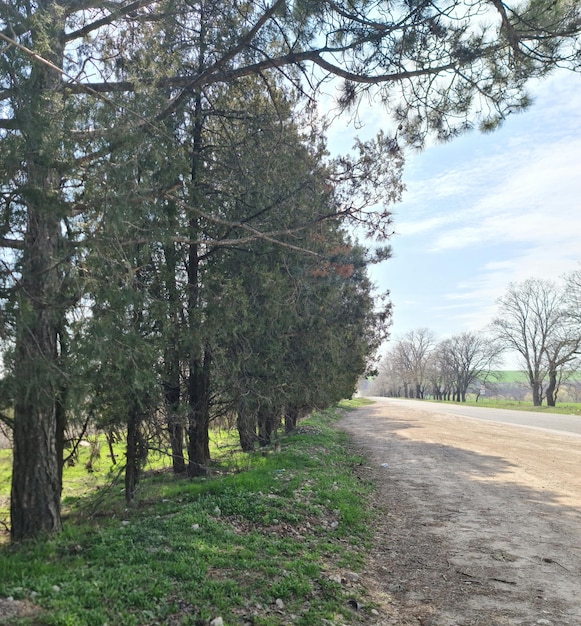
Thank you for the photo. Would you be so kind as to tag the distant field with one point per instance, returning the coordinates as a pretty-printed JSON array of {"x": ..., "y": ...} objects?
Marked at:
[
  {"x": 509, "y": 376},
  {"x": 517, "y": 376}
]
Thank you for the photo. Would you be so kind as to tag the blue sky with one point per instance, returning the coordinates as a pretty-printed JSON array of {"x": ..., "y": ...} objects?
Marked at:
[{"x": 485, "y": 210}]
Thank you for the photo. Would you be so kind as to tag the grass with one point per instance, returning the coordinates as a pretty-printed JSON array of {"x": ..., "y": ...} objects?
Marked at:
[
  {"x": 264, "y": 541},
  {"x": 563, "y": 408}
]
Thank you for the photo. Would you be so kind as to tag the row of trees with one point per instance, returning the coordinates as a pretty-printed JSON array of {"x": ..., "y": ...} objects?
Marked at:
[
  {"x": 168, "y": 316},
  {"x": 418, "y": 365},
  {"x": 173, "y": 229},
  {"x": 538, "y": 320}
]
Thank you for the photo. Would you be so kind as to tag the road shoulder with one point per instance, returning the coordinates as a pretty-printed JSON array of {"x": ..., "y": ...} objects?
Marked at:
[{"x": 471, "y": 528}]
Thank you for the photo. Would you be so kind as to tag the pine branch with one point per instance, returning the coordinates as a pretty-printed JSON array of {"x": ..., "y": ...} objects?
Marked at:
[
  {"x": 216, "y": 67},
  {"x": 14, "y": 244},
  {"x": 6, "y": 420},
  {"x": 106, "y": 21},
  {"x": 8, "y": 124}
]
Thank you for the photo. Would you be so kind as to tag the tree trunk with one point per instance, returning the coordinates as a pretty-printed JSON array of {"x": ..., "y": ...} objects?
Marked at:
[
  {"x": 291, "y": 418},
  {"x": 199, "y": 416},
  {"x": 551, "y": 389},
  {"x": 176, "y": 435},
  {"x": 198, "y": 374},
  {"x": 136, "y": 453},
  {"x": 176, "y": 430},
  {"x": 36, "y": 471},
  {"x": 198, "y": 364},
  {"x": 172, "y": 387},
  {"x": 267, "y": 425},
  {"x": 38, "y": 422},
  {"x": 111, "y": 438},
  {"x": 246, "y": 425},
  {"x": 537, "y": 393}
]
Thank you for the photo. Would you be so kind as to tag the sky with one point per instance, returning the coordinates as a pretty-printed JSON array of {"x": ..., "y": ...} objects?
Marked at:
[{"x": 483, "y": 211}]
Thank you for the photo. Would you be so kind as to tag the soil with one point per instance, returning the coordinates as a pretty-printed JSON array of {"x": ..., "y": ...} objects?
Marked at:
[{"x": 478, "y": 523}]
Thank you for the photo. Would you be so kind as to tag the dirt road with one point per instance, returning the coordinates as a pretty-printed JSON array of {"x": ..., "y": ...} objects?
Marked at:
[{"x": 479, "y": 523}]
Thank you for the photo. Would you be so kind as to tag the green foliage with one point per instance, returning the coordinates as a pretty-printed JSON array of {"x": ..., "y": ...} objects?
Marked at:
[{"x": 230, "y": 545}]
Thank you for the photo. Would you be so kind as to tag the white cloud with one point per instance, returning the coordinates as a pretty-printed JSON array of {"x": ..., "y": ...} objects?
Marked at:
[
  {"x": 528, "y": 195},
  {"x": 487, "y": 210}
]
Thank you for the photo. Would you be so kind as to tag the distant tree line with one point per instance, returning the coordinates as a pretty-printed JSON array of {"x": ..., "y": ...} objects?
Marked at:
[
  {"x": 418, "y": 366},
  {"x": 538, "y": 320}
]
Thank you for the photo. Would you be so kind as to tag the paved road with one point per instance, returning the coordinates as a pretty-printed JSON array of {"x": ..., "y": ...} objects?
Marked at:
[{"x": 545, "y": 421}]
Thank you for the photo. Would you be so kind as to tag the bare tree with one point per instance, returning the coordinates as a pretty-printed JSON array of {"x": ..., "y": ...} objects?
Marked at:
[
  {"x": 468, "y": 357},
  {"x": 440, "y": 374},
  {"x": 415, "y": 350},
  {"x": 562, "y": 354},
  {"x": 572, "y": 297},
  {"x": 534, "y": 323},
  {"x": 405, "y": 368},
  {"x": 388, "y": 381},
  {"x": 563, "y": 350}
]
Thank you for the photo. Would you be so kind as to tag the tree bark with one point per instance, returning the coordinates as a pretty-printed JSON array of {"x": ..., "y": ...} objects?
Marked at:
[
  {"x": 537, "y": 393},
  {"x": 111, "y": 438},
  {"x": 171, "y": 385},
  {"x": 36, "y": 471},
  {"x": 136, "y": 452},
  {"x": 246, "y": 425},
  {"x": 199, "y": 361},
  {"x": 551, "y": 389},
  {"x": 199, "y": 416},
  {"x": 38, "y": 420},
  {"x": 198, "y": 376},
  {"x": 172, "y": 397},
  {"x": 291, "y": 418},
  {"x": 175, "y": 428},
  {"x": 268, "y": 422}
]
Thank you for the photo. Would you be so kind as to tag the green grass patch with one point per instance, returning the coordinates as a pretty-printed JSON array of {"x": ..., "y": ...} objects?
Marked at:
[
  {"x": 5, "y": 476},
  {"x": 509, "y": 376},
  {"x": 564, "y": 408},
  {"x": 264, "y": 540},
  {"x": 354, "y": 403},
  {"x": 518, "y": 376}
]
